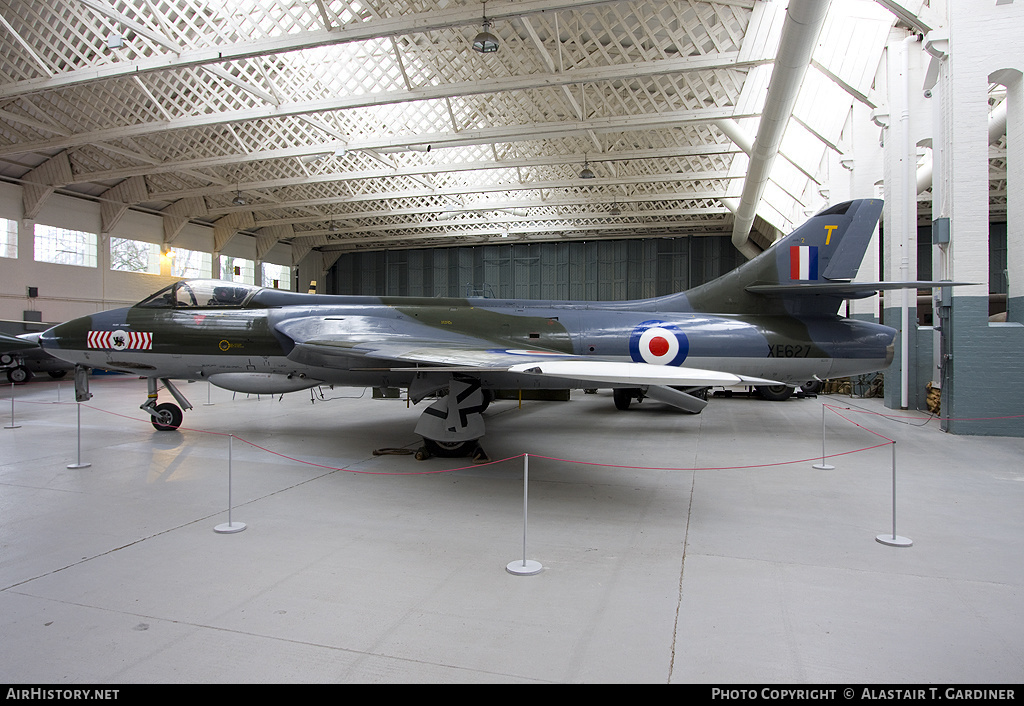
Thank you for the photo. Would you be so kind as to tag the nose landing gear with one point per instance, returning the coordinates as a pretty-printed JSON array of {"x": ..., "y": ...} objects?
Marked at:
[{"x": 166, "y": 416}]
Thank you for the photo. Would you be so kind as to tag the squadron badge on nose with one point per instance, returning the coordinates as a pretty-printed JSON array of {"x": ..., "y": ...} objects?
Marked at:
[{"x": 120, "y": 340}]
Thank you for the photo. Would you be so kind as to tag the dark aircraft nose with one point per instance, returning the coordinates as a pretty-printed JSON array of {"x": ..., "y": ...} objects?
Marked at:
[
  {"x": 70, "y": 335},
  {"x": 73, "y": 335}
]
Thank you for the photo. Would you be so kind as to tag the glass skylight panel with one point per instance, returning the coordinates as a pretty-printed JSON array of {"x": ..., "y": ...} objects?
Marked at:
[
  {"x": 801, "y": 147},
  {"x": 823, "y": 105}
]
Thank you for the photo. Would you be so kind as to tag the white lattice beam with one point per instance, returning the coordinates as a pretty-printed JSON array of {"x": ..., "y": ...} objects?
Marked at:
[
  {"x": 178, "y": 214},
  {"x": 458, "y": 167},
  {"x": 484, "y": 136},
  {"x": 115, "y": 201},
  {"x": 228, "y": 227},
  {"x": 614, "y": 230},
  {"x": 431, "y": 21},
  {"x": 267, "y": 238},
  {"x": 464, "y": 189},
  {"x": 448, "y": 90},
  {"x": 28, "y": 48},
  {"x": 42, "y": 181},
  {"x": 301, "y": 248}
]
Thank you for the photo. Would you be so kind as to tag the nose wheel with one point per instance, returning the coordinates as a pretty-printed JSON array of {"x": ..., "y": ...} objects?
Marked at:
[{"x": 167, "y": 417}]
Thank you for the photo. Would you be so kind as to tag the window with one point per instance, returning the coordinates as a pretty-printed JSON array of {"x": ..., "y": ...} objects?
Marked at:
[
  {"x": 134, "y": 256},
  {"x": 65, "y": 247},
  {"x": 8, "y": 238},
  {"x": 190, "y": 263},
  {"x": 236, "y": 269},
  {"x": 277, "y": 276}
]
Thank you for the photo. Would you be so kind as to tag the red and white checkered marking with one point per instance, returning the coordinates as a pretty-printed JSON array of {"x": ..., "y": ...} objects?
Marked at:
[{"x": 120, "y": 340}]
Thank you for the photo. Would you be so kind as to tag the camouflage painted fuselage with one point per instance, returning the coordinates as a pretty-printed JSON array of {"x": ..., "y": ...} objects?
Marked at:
[
  {"x": 773, "y": 318},
  {"x": 200, "y": 342}
]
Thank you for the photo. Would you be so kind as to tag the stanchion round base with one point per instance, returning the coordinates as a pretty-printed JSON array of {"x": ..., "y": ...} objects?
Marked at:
[
  {"x": 229, "y": 527},
  {"x": 13, "y": 426},
  {"x": 79, "y": 465},
  {"x": 519, "y": 567},
  {"x": 823, "y": 467},
  {"x": 893, "y": 540}
]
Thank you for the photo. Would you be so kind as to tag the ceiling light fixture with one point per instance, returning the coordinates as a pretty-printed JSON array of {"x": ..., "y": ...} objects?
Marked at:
[
  {"x": 587, "y": 172},
  {"x": 485, "y": 42},
  {"x": 238, "y": 200}
]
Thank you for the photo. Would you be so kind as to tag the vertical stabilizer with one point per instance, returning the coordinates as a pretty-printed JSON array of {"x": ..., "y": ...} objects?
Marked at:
[{"x": 827, "y": 248}]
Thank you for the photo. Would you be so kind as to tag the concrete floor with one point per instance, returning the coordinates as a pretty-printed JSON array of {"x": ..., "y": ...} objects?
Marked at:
[{"x": 747, "y": 570}]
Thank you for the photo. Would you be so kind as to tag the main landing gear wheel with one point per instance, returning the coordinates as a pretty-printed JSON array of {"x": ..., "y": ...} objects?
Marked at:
[
  {"x": 168, "y": 417},
  {"x": 624, "y": 396},
  {"x": 775, "y": 393},
  {"x": 450, "y": 449},
  {"x": 812, "y": 387}
]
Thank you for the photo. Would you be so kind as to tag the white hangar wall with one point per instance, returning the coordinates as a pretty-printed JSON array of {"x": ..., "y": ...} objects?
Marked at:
[
  {"x": 69, "y": 291},
  {"x": 981, "y": 368}
]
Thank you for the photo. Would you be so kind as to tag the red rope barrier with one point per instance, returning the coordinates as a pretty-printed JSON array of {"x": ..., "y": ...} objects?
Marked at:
[
  {"x": 833, "y": 408},
  {"x": 511, "y": 458}
]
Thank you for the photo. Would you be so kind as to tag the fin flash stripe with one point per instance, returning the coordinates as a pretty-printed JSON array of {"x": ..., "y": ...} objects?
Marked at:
[{"x": 803, "y": 262}]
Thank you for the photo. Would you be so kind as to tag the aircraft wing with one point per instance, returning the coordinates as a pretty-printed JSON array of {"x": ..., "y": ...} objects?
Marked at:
[
  {"x": 401, "y": 346},
  {"x": 602, "y": 371}
]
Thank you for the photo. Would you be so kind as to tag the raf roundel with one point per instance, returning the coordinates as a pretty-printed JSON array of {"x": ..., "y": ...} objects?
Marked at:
[{"x": 658, "y": 343}]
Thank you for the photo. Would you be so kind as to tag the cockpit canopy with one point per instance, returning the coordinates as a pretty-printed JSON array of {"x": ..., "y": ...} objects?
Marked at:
[{"x": 200, "y": 294}]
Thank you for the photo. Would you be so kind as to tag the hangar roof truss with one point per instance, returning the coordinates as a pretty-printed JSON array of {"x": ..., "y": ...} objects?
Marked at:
[{"x": 369, "y": 124}]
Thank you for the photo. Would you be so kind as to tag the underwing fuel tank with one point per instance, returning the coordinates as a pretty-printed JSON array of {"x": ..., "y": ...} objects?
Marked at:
[{"x": 263, "y": 383}]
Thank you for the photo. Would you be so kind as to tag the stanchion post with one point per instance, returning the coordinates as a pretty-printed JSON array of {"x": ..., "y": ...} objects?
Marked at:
[
  {"x": 12, "y": 425},
  {"x": 78, "y": 405},
  {"x": 524, "y": 567},
  {"x": 893, "y": 540},
  {"x": 229, "y": 527},
  {"x": 823, "y": 466}
]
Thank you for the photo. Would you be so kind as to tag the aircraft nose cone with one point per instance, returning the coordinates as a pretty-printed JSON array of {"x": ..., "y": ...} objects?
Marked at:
[
  {"x": 890, "y": 353},
  {"x": 70, "y": 334},
  {"x": 73, "y": 335}
]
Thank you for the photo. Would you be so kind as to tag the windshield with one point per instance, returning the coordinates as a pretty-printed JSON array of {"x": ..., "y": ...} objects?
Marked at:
[{"x": 200, "y": 294}]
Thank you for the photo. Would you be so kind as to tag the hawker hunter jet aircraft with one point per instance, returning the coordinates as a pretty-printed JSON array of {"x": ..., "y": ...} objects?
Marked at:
[{"x": 771, "y": 323}]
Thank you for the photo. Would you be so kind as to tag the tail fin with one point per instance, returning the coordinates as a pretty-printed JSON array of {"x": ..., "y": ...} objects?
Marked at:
[{"x": 818, "y": 259}]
